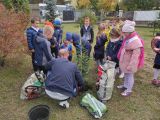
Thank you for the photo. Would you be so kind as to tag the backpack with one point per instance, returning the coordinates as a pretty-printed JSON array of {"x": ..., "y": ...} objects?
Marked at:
[
  {"x": 95, "y": 107},
  {"x": 105, "y": 82},
  {"x": 33, "y": 87}
]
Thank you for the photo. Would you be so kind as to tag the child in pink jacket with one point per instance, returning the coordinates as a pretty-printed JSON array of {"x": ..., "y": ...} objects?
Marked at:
[{"x": 131, "y": 56}]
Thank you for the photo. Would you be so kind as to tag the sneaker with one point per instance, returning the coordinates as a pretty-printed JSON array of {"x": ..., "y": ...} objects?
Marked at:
[
  {"x": 121, "y": 75},
  {"x": 64, "y": 104},
  {"x": 156, "y": 82},
  {"x": 121, "y": 87},
  {"x": 126, "y": 94}
]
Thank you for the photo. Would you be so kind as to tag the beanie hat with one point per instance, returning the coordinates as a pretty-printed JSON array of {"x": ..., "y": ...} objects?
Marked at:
[
  {"x": 129, "y": 26},
  {"x": 57, "y": 22},
  {"x": 76, "y": 38},
  {"x": 68, "y": 36}
]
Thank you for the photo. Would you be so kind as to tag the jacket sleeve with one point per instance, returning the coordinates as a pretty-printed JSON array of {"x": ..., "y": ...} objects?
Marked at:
[
  {"x": 29, "y": 39},
  {"x": 114, "y": 56},
  {"x": 60, "y": 36},
  {"x": 78, "y": 77},
  {"x": 134, "y": 59},
  {"x": 107, "y": 49},
  {"x": 47, "y": 52},
  {"x": 48, "y": 66},
  {"x": 101, "y": 42},
  {"x": 92, "y": 35},
  {"x": 81, "y": 31}
]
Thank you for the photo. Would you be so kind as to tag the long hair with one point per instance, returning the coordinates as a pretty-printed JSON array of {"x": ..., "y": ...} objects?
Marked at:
[{"x": 101, "y": 29}]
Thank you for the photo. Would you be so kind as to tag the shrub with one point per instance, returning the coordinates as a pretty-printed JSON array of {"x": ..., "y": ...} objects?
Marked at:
[{"x": 12, "y": 26}]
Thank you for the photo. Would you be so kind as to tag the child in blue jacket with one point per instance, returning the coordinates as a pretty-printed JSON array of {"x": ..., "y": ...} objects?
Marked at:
[{"x": 68, "y": 45}]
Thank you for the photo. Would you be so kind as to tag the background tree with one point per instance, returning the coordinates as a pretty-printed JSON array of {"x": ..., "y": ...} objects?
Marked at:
[
  {"x": 17, "y": 5},
  {"x": 12, "y": 38},
  {"x": 106, "y": 5},
  {"x": 94, "y": 6},
  {"x": 83, "y": 4},
  {"x": 51, "y": 9},
  {"x": 132, "y": 5}
]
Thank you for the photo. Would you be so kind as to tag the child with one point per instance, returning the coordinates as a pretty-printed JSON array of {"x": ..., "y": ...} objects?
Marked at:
[
  {"x": 156, "y": 48},
  {"x": 114, "y": 46},
  {"x": 131, "y": 56},
  {"x": 76, "y": 43},
  {"x": 57, "y": 37},
  {"x": 101, "y": 38},
  {"x": 68, "y": 45},
  {"x": 87, "y": 35},
  {"x": 58, "y": 30}
]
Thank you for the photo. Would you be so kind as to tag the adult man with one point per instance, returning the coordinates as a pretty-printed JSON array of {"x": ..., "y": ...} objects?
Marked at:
[
  {"x": 31, "y": 34},
  {"x": 42, "y": 48},
  {"x": 63, "y": 79}
]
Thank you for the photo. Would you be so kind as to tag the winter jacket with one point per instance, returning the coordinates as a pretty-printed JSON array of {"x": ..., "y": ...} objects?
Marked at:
[
  {"x": 99, "y": 47},
  {"x": 113, "y": 49},
  {"x": 130, "y": 53},
  {"x": 157, "y": 58},
  {"x": 58, "y": 34},
  {"x": 63, "y": 77},
  {"x": 87, "y": 34},
  {"x": 31, "y": 35},
  {"x": 42, "y": 51}
]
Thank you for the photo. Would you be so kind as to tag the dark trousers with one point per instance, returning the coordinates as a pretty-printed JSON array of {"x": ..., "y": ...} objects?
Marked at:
[{"x": 33, "y": 58}]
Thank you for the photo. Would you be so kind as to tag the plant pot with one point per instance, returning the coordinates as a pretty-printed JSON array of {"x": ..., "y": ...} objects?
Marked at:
[{"x": 39, "y": 112}]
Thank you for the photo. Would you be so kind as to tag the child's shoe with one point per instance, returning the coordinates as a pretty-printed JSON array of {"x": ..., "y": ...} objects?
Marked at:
[
  {"x": 126, "y": 94},
  {"x": 121, "y": 87},
  {"x": 64, "y": 104},
  {"x": 121, "y": 75},
  {"x": 156, "y": 82}
]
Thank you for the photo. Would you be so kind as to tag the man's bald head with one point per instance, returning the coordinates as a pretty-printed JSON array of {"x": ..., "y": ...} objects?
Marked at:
[{"x": 63, "y": 53}]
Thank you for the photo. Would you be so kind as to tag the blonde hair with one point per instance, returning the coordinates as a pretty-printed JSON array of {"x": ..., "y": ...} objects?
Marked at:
[
  {"x": 101, "y": 28},
  {"x": 47, "y": 28}
]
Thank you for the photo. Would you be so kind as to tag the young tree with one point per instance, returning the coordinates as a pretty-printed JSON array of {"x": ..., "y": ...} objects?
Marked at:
[
  {"x": 51, "y": 9},
  {"x": 17, "y": 5}
]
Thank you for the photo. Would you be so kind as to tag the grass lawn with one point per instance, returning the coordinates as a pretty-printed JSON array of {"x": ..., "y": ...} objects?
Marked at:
[{"x": 144, "y": 104}]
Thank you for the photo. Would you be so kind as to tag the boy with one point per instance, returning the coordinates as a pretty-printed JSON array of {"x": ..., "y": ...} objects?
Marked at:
[{"x": 87, "y": 35}]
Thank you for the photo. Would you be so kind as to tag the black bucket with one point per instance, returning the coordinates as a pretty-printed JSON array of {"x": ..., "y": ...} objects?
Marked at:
[{"x": 39, "y": 112}]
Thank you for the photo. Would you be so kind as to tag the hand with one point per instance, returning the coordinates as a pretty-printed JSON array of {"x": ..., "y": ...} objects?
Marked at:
[
  {"x": 109, "y": 58},
  {"x": 129, "y": 68},
  {"x": 157, "y": 49},
  {"x": 32, "y": 50}
]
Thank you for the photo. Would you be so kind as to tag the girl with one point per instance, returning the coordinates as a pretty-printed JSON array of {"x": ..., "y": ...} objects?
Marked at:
[
  {"x": 114, "y": 46},
  {"x": 156, "y": 48},
  {"x": 101, "y": 38},
  {"x": 131, "y": 56}
]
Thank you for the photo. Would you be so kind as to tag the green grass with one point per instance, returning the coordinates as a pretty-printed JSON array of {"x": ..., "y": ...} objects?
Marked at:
[{"x": 144, "y": 104}]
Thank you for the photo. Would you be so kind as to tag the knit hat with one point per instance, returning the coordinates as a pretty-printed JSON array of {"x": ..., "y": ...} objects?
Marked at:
[
  {"x": 129, "y": 26},
  {"x": 57, "y": 22},
  {"x": 68, "y": 36},
  {"x": 76, "y": 38}
]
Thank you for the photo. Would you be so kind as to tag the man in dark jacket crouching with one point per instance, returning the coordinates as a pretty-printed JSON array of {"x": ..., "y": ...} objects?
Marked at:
[{"x": 63, "y": 80}]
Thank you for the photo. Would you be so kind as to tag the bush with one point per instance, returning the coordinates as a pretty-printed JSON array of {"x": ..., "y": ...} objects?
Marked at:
[
  {"x": 89, "y": 14},
  {"x": 12, "y": 27},
  {"x": 17, "y": 5}
]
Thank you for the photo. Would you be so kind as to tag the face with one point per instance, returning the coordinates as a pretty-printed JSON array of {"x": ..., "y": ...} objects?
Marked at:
[
  {"x": 36, "y": 24},
  {"x": 125, "y": 34},
  {"x": 86, "y": 22},
  {"x": 49, "y": 34}
]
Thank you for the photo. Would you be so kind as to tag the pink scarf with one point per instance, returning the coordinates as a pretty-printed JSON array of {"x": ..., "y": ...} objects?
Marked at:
[{"x": 141, "y": 57}]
